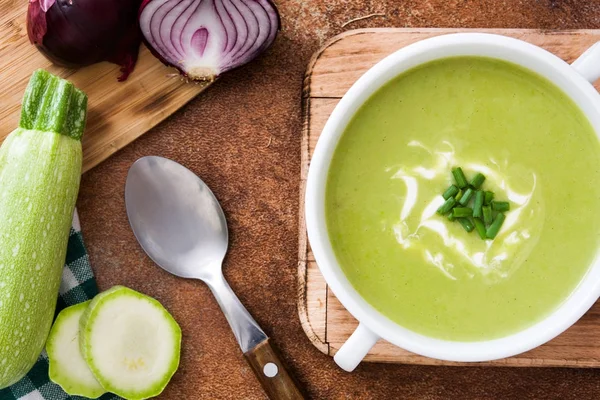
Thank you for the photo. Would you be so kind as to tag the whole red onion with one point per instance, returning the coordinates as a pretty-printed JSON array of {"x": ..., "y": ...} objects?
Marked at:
[{"x": 75, "y": 33}]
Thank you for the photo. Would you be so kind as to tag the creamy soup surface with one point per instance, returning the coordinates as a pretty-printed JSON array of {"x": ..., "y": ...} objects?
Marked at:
[{"x": 537, "y": 150}]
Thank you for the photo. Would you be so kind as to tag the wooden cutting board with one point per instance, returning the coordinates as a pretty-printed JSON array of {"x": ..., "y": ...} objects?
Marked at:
[
  {"x": 331, "y": 72},
  {"x": 118, "y": 112}
]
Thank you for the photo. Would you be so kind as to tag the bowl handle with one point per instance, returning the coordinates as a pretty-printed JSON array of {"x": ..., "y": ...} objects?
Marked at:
[
  {"x": 588, "y": 64},
  {"x": 356, "y": 348}
]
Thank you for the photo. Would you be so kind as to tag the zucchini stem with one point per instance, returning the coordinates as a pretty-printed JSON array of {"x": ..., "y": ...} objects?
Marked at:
[{"x": 52, "y": 104}]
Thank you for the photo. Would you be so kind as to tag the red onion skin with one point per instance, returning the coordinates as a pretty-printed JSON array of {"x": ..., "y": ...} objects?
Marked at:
[
  {"x": 181, "y": 71},
  {"x": 149, "y": 46},
  {"x": 154, "y": 52},
  {"x": 76, "y": 33}
]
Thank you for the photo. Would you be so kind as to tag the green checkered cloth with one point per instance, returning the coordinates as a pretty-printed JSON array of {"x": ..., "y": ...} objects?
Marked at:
[{"x": 78, "y": 285}]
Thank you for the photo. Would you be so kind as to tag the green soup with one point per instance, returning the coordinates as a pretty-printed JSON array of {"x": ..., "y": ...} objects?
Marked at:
[{"x": 537, "y": 150}]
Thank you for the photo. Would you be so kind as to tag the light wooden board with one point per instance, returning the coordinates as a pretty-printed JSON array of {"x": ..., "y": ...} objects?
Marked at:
[
  {"x": 330, "y": 74},
  {"x": 118, "y": 112}
]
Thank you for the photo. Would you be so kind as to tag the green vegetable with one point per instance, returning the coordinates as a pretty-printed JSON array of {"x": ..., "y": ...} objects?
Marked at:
[
  {"x": 458, "y": 212},
  {"x": 477, "y": 180},
  {"x": 466, "y": 223},
  {"x": 40, "y": 169},
  {"x": 130, "y": 342},
  {"x": 500, "y": 206},
  {"x": 489, "y": 196},
  {"x": 459, "y": 177},
  {"x": 466, "y": 197},
  {"x": 458, "y": 195},
  {"x": 493, "y": 230},
  {"x": 487, "y": 214},
  {"x": 67, "y": 366},
  {"x": 450, "y": 192},
  {"x": 482, "y": 205},
  {"x": 447, "y": 206},
  {"x": 478, "y": 204},
  {"x": 480, "y": 227}
]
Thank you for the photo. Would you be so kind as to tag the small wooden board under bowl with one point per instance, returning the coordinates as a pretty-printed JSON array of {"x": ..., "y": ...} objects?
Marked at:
[
  {"x": 118, "y": 112},
  {"x": 331, "y": 72}
]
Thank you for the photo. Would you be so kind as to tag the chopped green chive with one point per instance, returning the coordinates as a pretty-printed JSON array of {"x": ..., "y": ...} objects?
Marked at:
[
  {"x": 494, "y": 228},
  {"x": 477, "y": 180},
  {"x": 489, "y": 196},
  {"x": 458, "y": 212},
  {"x": 500, "y": 205},
  {"x": 480, "y": 227},
  {"x": 450, "y": 192},
  {"x": 466, "y": 223},
  {"x": 487, "y": 214},
  {"x": 478, "y": 204},
  {"x": 459, "y": 177},
  {"x": 447, "y": 206},
  {"x": 458, "y": 195},
  {"x": 466, "y": 197}
]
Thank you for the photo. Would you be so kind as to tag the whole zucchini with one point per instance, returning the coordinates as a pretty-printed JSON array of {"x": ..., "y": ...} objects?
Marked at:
[{"x": 40, "y": 169}]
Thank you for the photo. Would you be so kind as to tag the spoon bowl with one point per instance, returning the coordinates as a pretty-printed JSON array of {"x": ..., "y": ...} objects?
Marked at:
[{"x": 176, "y": 217}]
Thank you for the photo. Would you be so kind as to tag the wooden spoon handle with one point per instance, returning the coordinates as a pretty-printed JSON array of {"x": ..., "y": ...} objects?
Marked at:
[{"x": 271, "y": 374}]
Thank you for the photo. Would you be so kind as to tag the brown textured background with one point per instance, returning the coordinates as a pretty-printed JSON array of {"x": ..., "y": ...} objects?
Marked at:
[{"x": 242, "y": 136}]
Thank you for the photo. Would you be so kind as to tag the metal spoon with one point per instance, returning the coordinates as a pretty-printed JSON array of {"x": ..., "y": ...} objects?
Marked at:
[{"x": 179, "y": 223}]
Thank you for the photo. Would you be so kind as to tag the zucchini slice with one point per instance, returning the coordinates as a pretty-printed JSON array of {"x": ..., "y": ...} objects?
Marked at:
[
  {"x": 67, "y": 366},
  {"x": 130, "y": 342}
]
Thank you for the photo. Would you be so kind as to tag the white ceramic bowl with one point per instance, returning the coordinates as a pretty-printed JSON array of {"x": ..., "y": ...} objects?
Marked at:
[{"x": 573, "y": 79}]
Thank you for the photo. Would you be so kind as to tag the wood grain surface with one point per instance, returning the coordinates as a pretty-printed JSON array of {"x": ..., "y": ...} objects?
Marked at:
[
  {"x": 118, "y": 112},
  {"x": 331, "y": 72}
]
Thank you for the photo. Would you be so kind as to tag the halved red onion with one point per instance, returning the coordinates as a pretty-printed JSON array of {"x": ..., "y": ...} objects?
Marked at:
[{"x": 204, "y": 38}]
